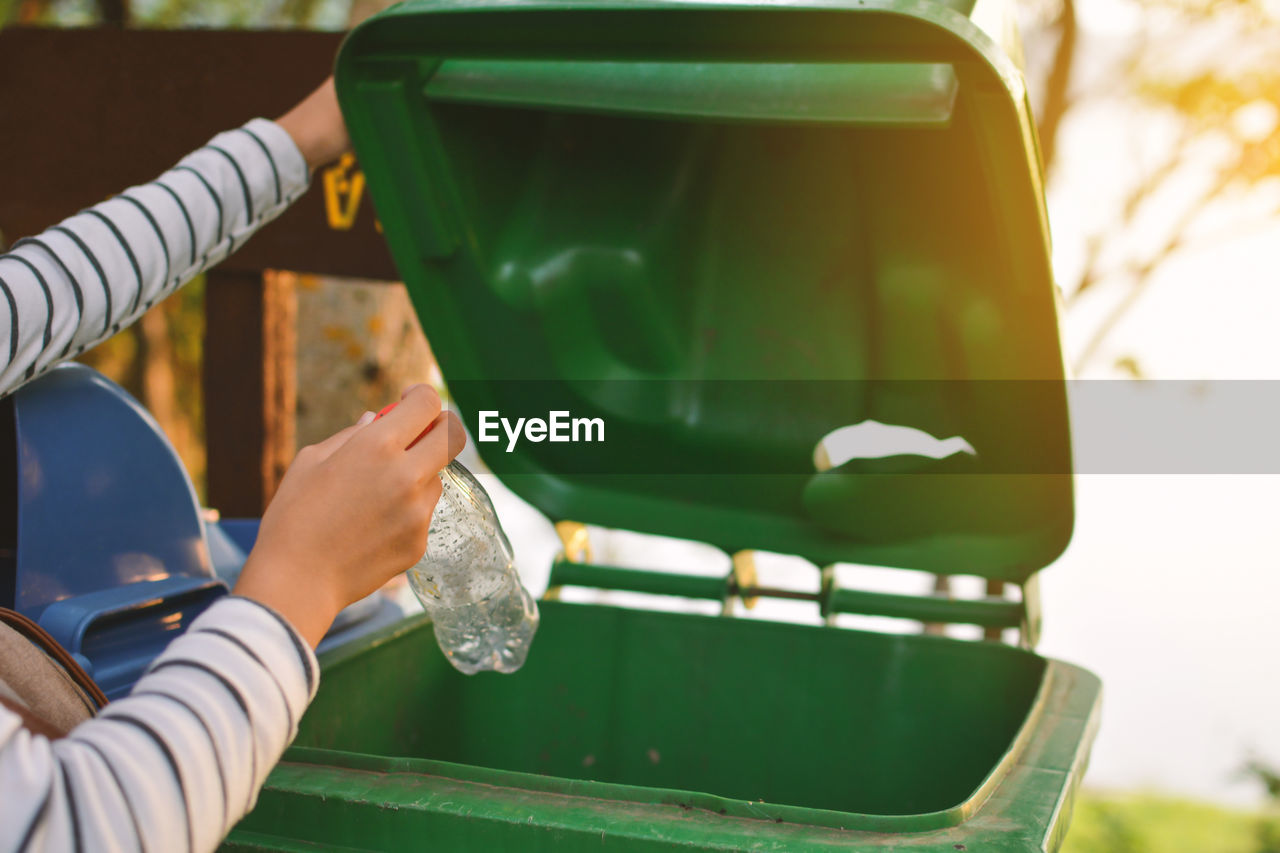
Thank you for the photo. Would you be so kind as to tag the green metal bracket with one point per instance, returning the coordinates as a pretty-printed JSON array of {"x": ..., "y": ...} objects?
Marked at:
[
  {"x": 566, "y": 573},
  {"x": 985, "y": 612}
]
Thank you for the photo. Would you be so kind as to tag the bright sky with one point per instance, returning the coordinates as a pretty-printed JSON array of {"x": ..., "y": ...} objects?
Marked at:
[
  {"x": 1209, "y": 313},
  {"x": 1171, "y": 587}
]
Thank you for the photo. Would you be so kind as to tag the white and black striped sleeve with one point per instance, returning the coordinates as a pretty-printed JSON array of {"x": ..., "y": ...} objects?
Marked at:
[
  {"x": 175, "y": 765},
  {"x": 79, "y": 282}
]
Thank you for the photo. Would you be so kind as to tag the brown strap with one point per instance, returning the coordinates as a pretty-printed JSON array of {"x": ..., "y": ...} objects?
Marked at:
[
  {"x": 36, "y": 725},
  {"x": 40, "y": 637}
]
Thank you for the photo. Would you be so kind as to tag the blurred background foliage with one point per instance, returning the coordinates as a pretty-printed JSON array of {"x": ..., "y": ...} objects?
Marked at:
[
  {"x": 1151, "y": 823},
  {"x": 1205, "y": 155},
  {"x": 307, "y": 14},
  {"x": 1148, "y": 823}
]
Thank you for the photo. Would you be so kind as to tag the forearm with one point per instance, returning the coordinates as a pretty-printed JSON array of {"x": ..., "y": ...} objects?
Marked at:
[
  {"x": 84, "y": 279},
  {"x": 317, "y": 127},
  {"x": 176, "y": 764}
]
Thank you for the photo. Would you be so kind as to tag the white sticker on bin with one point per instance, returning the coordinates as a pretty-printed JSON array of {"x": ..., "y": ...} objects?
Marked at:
[{"x": 874, "y": 440}]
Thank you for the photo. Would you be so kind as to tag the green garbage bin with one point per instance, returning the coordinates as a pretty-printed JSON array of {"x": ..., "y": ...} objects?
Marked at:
[{"x": 725, "y": 232}]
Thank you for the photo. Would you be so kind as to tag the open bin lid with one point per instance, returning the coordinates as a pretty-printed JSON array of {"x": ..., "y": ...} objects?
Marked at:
[{"x": 728, "y": 231}]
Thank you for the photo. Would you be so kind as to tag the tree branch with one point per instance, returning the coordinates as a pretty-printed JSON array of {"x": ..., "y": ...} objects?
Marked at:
[
  {"x": 1144, "y": 271},
  {"x": 1058, "y": 83}
]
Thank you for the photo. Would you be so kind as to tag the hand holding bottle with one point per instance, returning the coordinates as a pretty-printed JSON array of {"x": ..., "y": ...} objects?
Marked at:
[
  {"x": 484, "y": 618},
  {"x": 352, "y": 512}
]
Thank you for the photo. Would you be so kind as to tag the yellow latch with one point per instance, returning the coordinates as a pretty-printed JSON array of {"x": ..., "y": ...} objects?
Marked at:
[
  {"x": 576, "y": 541},
  {"x": 745, "y": 576}
]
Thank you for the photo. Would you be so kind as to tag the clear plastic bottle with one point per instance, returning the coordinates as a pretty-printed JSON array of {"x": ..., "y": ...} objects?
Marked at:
[{"x": 484, "y": 618}]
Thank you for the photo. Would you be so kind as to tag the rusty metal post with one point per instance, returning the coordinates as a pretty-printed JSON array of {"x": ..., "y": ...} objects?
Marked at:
[
  {"x": 995, "y": 589},
  {"x": 941, "y": 586},
  {"x": 250, "y": 376}
]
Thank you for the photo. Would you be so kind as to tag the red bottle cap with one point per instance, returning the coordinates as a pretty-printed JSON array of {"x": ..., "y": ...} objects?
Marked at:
[{"x": 388, "y": 408}]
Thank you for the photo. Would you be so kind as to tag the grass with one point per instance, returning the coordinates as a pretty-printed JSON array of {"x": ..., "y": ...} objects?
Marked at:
[{"x": 1150, "y": 823}]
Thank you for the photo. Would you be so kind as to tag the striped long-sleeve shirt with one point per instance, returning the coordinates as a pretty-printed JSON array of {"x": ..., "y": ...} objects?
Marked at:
[
  {"x": 174, "y": 765},
  {"x": 84, "y": 279}
]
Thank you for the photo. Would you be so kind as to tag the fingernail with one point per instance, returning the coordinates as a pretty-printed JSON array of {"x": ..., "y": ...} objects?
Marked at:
[{"x": 366, "y": 418}]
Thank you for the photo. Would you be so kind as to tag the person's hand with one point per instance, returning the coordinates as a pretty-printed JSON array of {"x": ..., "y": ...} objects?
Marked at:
[
  {"x": 317, "y": 126},
  {"x": 351, "y": 513}
]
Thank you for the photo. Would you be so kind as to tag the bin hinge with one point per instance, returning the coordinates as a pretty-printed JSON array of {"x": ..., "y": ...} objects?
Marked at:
[
  {"x": 994, "y": 612},
  {"x": 576, "y": 540},
  {"x": 1029, "y": 629}
]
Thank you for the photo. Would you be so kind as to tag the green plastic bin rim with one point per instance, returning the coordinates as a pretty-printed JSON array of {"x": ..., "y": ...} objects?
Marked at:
[
  {"x": 869, "y": 65},
  {"x": 1052, "y": 742}
]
